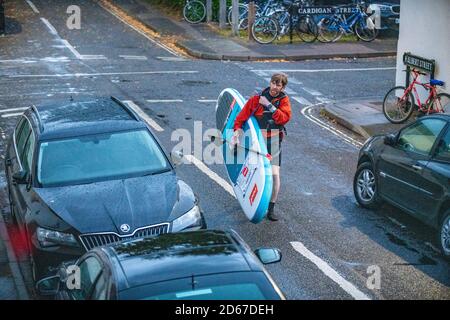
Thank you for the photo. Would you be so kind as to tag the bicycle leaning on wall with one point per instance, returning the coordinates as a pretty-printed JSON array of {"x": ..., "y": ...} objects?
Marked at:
[
  {"x": 398, "y": 104},
  {"x": 359, "y": 22}
]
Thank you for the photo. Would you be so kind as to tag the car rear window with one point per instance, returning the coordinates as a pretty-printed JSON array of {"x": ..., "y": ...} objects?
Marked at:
[
  {"x": 99, "y": 157},
  {"x": 224, "y": 286}
]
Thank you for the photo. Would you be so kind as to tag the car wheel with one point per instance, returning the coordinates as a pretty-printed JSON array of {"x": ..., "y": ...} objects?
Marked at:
[
  {"x": 444, "y": 235},
  {"x": 365, "y": 187}
]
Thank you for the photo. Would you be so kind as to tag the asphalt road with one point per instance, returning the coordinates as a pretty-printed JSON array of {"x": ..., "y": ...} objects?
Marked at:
[{"x": 330, "y": 246}]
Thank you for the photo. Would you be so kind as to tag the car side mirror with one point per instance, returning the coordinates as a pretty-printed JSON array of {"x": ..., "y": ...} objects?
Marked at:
[
  {"x": 20, "y": 177},
  {"x": 48, "y": 286},
  {"x": 390, "y": 139},
  {"x": 176, "y": 157},
  {"x": 268, "y": 255}
]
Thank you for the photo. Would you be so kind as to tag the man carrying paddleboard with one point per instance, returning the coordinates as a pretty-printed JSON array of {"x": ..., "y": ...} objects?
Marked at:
[{"x": 272, "y": 110}]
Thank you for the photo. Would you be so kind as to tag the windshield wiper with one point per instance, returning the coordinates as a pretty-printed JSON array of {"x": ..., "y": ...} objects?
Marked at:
[{"x": 156, "y": 172}]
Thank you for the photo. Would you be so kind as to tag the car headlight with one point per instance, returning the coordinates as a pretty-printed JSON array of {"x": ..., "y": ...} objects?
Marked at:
[
  {"x": 190, "y": 219},
  {"x": 49, "y": 238}
]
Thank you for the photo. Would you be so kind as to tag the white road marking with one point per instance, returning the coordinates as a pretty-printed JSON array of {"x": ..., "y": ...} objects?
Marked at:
[
  {"x": 13, "y": 109},
  {"x": 72, "y": 49},
  {"x": 172, "y": 59},
  {"x": 261, "y": 73},
  {"x": 289, "y": 91},
  {"x": 126, "y": 57},
  {"x": 98, "y": 74},
  {"x": 140, "y": 32},
  {"x": 207, "y": 101},
  {"x": 152, "y": 123},
  {"x": 33, "y": 7},
  {"x": 330, "y": 272},
  {"x": 302, "y": 101},
  {"x": 18, "y": 61},
  {"x": 211, "y": 174},
  {"x": 343, "y": 136},
  {"x": 69, "y": 46},
  {"x": 93, "y": 57},
  {"x": 46, "y": 94},
  {"x": 323, "y": 70},
  {"x": 312, "y": 91},
  {"x": 323, "y": 99},
  {"x": 81, "y": 56},
  {"x": 164, "y": 101},
  {"x": 55, "y": 59},
  {"x": 49, "y": 26},
  {"x": 294, "y": 81},
  {"x": 9, "y": 115}
]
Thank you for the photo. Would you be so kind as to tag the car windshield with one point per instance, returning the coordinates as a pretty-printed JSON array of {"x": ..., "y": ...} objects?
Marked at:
[
  {"x": 99, "y": 157},
  {"x": 225, "y": 286}
]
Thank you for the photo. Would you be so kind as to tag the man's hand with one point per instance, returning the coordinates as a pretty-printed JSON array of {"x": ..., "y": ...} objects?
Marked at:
[
  {"x": 235, "y": 138},
  {"x": 267, "y": 105},
  {"x": 264, "y": 101}
]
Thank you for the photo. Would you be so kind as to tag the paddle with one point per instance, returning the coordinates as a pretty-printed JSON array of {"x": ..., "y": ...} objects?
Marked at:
[{"x": 221, "y": 141}]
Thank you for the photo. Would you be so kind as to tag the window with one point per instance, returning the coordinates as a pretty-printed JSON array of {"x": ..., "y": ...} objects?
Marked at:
[
  {"x": 19, "y": 128},
  {"x": 101, "y": 288},
  {"x": 22, "y": 139},
  {"x": 443, "y": 149},
  {"x": 223, "y": 286},
  {"x": 90, "y": 269},
  {"x": 420, "y": 137},
  {"x": 28, "y": 153},
  {"x": 99, "y": 157}
]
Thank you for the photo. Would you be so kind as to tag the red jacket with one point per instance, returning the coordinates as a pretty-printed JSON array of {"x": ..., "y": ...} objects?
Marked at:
[{"x": 281, "y": 116}]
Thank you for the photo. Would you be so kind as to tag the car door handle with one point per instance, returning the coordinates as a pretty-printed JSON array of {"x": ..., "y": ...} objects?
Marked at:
[
  {"x": 8, "y": 162},
  {"x": 417, "y": 168}
]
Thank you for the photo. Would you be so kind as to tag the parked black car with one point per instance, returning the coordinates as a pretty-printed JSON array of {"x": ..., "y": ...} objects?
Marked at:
[
  {"x": 410, "y": 169},
  {"x": 198, "y": 265},
  {"x": 85, "y": 174}
]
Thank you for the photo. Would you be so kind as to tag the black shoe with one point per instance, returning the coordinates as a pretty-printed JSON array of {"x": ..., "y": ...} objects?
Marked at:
[{"x": 272, "y": 216}]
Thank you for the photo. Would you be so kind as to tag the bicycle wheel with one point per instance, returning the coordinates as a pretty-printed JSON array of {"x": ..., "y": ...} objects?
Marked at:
[
  {"x": 364, "y": 31},
  {"x": 194, "y": 11},
  {"x": 243, "y": 14},
  {"x": 398, "y": 106},
  {"x": 329, "y": 30},
  {"x": 441, "y": 103},
  {"x": 307, "y": 29},
  {"x": 265, "y": 30}
]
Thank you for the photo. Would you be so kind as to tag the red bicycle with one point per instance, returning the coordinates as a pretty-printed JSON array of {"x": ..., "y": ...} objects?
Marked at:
[{"x": 398, "y": 104}]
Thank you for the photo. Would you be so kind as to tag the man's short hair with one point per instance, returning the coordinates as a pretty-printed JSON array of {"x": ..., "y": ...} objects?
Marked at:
[{"x": 280, "y": 78}]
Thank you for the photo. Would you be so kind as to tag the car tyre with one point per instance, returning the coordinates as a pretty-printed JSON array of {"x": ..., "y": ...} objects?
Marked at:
[
  {"x": 444, "y": 235},
  {"x": 365, "y": 186}
]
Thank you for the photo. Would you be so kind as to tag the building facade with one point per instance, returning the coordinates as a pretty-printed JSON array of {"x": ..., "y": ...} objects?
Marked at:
[{"x": 425, "y": 32}]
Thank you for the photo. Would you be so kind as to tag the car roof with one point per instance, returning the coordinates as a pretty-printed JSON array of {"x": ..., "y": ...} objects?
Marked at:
[
  {"x": 76, "y": 118},
  {"x": 178, "y": 255}
]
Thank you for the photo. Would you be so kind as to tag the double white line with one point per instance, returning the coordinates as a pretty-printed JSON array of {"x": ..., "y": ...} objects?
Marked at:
[{"x": 12, "y": 112}]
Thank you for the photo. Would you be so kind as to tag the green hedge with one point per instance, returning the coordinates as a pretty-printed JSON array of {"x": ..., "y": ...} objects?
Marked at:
[{"x": 179, "y": 4}]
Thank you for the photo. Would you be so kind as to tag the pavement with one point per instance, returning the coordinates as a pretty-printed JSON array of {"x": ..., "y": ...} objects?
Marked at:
[
  {"x": 202, "y": 41},
  {"x": 364, "y": 117}
]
